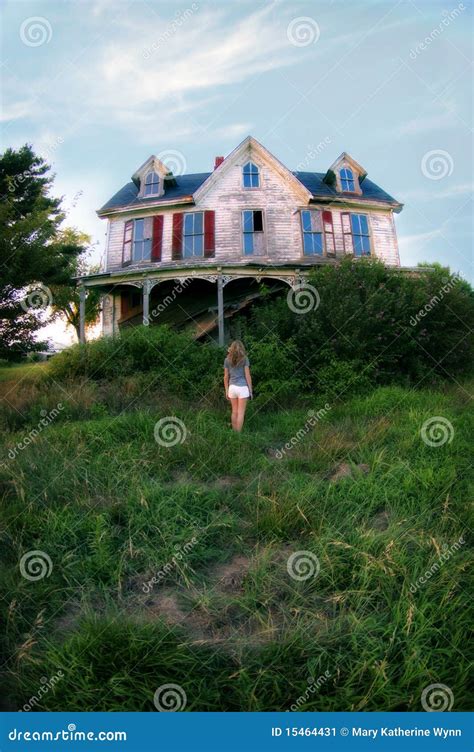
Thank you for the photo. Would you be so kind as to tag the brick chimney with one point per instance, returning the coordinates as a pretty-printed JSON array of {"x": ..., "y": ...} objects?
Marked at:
[{"x": 218, "y": 161}]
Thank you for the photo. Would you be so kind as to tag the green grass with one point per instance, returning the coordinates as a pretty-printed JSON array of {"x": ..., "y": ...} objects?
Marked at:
[{"x": 226, "y": 622}]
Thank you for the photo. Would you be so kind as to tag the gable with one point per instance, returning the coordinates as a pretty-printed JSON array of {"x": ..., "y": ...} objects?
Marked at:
[{"x": 250, "y": 150}]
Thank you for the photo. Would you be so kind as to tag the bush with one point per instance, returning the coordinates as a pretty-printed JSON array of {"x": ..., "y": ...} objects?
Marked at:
[
  {"x": 175, "y": 362},
  {"x": 274, "y": 367},
  {"x": 407, "y": 327}
]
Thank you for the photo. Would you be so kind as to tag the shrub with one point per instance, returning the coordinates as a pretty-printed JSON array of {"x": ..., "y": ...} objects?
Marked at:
[
  {"x": 275, "y": 370},
  {"x": 174, "y": 360}
]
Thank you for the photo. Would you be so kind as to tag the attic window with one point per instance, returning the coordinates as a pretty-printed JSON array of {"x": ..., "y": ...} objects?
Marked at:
[
  {"x": 347, "y": 179},
  {"x": 251, "y": 176},
  {"x": 152, "y": 184}
]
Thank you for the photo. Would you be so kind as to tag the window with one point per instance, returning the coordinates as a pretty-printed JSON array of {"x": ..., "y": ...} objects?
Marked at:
[
  {"x": 193, "y": 235},
  {"x": 127, "y": 242},
  {"x": 312, "y": 232},
  {"x": 360, "y": 234},
  {"x": 347, "y": 180},
  {"x": 251, "y": 175},
  {"x": 252, "y": 226},
  {"x": 142, "y": 232},
  {"x": 152, "y": 184}
]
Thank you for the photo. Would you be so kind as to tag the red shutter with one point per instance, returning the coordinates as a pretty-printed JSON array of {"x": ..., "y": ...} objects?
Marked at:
[
  {"x": 209, "y": 233},
  {"x": 127, "y": 242},
  {"x": 177, "y": 243},
  {"x": 157, "y": 238},
  {"x": 329, "y": 233},
  {"x": 124, "y": 303}
]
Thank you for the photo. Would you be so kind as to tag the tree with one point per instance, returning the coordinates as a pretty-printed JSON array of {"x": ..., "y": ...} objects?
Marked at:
[
  {"x": 30, "y": 259},
  {"x": 65, "y": 297}
]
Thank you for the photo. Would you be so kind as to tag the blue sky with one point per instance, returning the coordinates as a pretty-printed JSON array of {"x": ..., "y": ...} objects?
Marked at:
[{"x": 97, "y": 86}]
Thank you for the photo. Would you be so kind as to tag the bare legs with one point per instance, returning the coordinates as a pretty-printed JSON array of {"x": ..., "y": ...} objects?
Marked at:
[{"x": 238, "y": 412}]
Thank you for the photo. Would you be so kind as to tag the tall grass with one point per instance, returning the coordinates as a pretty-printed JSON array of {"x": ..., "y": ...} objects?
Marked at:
[{"x": 111, "y": 507}]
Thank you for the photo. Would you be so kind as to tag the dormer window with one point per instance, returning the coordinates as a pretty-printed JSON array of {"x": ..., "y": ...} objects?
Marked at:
[
  {"x": 347, "y": 180},
  {"x": 152, "y": 184},
  {"x": 251, "y": 176}
]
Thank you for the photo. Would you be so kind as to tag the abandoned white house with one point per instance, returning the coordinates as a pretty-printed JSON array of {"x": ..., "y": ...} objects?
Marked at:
[{"x": 192, "y": 249}]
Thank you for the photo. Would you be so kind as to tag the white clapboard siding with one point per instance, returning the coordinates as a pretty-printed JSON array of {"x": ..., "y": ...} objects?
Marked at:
[{"x": 281, "y": 201}]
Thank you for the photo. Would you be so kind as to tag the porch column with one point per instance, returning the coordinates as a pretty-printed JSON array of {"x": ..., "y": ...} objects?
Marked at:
[
  {"x": 146, "y": 302},
  {"x": 82, "y": 314},
  {"x": 220, "y": 308}
]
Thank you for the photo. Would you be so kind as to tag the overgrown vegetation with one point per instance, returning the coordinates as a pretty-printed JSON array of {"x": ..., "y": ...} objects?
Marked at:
[{"x": 111, "y": 507}]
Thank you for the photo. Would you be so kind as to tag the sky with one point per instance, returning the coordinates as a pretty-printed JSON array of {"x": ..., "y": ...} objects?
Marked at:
[{"x": 96, "y": 86}]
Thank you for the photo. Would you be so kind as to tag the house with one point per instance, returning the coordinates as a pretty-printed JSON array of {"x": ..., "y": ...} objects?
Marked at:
[{"x": 195, "y": 248}]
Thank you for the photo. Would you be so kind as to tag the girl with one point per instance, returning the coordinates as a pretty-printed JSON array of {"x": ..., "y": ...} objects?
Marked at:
[{"x": 237, "y": 382}]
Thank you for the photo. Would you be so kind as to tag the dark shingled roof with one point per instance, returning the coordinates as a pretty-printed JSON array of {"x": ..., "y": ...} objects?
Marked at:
[{"x": 186, "y": 185}]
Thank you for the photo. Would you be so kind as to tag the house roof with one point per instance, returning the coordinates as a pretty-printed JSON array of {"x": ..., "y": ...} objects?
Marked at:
[{"x": 184, "y": 186}]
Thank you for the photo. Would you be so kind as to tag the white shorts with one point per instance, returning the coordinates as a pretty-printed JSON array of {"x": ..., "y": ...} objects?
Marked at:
[{"x": 242, "y": 392}]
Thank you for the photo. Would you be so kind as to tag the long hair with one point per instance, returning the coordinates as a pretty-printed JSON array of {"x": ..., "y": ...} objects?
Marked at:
[{"x": 236, "y": 353}]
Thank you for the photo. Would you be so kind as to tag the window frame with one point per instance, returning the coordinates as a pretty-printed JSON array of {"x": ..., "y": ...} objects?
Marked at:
[
  {"x": 352, "y": 235},
  {"x": 143, "y": 240},
  {"x": 304, "y": 232},
  {"x": 251, "y": 175},
  {"x": 146, "y": 184},
  {"x": 193, "y": 235},
  {"x": 245, "y": 233},
  {"x": 351, "y": 180}
]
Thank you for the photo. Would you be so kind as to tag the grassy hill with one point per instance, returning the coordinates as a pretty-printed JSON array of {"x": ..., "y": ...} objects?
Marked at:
[{"x": 255, "y": 576}]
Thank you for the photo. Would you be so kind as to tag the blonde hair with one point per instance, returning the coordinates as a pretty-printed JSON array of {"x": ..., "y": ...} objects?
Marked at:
[{"x": 236, "y": 353}]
